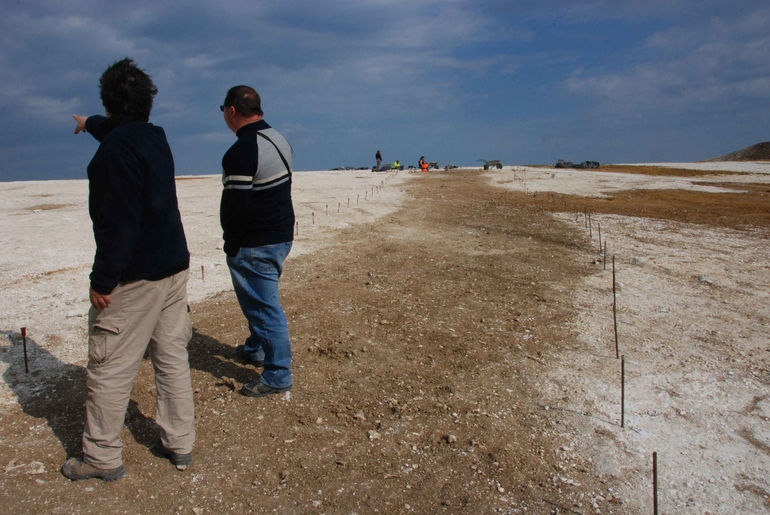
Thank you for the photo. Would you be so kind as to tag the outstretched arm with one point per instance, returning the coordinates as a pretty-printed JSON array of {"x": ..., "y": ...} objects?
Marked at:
[{"x": 81, "y": 123}]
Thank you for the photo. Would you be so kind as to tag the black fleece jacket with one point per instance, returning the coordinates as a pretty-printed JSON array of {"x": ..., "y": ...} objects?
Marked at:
[{"x": 133, "y": 205}]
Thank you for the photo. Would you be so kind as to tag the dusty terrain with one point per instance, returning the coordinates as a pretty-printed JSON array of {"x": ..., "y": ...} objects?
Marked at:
[{"x": 454, "y": 353}]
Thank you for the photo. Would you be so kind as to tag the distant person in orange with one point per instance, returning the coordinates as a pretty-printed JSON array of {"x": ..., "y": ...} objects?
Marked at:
[{"x": 423, "y": 164}]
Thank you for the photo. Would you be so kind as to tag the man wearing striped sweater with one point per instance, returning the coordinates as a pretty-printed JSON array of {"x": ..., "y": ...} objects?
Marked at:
[{"x": 257, "y": 218}]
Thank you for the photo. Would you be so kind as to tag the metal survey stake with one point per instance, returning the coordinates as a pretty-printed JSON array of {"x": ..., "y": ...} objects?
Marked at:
[
  {"x": 604, "y": 257},
  {"x": 655, "y": 483},
  {"x": 614, "y": 307},
  {"x": 203, "y": 274},
  {"x": 24, "y": 342},
  {"x": 600, "y": 235},
  {"x": 623, "y": 391},
  {"x": 590, "y": 228}
]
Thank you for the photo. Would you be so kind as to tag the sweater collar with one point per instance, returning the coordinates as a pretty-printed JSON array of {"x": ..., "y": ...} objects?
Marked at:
[
  {"x": 117, "y": 120},
  {"x": 252, "y": 127}
]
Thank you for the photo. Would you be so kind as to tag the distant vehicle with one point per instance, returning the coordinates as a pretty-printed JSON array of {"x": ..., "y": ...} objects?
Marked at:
[
  {"x": 585, "y": 165},
  {"x": 491, "y": 164}
]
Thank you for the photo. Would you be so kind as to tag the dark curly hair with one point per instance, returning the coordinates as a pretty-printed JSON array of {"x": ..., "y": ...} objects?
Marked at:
[
  {"x": 125, "y": 89},
  {"x": 245, "y": 100}
]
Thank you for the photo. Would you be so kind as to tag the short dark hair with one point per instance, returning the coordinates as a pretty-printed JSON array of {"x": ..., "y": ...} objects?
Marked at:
[
  {"x": 245, "y": 100},
  {"x": 125, "y": 89}
]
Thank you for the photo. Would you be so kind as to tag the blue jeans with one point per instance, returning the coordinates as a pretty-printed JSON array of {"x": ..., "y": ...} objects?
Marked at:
[{"x": 255, "y": 273}]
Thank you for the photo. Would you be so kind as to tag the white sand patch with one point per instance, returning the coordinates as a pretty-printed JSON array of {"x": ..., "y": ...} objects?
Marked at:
[
  {"x": 46, "y": 233},
  {"x": 693, "y": 324},
  {"x": 723, "y": 166},
  {"x": 590, "y": 183},
  {"x": 693, "y": 312}
]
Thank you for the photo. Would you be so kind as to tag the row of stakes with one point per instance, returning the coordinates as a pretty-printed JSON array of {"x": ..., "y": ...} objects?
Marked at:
[
  {"x": 371, "y": 191},
  {"x": 602, "y": 251},
  {"x": 339, "y": 205},
  {"x": 203, "y": 270}
]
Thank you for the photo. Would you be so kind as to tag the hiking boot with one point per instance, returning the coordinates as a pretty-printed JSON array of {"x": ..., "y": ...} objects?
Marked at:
[
  {"x": 240, "y": 351},
  {"x": 77, "y": 469},
  {"x": 180, "y": 461},
  {"x": 259, "y": 389}
]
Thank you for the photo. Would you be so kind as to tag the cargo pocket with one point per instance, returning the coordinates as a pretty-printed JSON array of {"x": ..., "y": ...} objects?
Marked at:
[{"x": 103, "y": 339}]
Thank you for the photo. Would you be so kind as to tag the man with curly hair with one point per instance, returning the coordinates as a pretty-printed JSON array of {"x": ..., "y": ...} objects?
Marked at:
[{"x": 138, "y": 281}]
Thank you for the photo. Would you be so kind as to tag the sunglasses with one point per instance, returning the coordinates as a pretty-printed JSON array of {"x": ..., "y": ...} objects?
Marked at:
[{"x": 222, "y": 108}]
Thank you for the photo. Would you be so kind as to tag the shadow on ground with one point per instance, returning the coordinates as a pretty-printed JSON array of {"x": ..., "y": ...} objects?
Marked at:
[{"x": 56, "y": 391}]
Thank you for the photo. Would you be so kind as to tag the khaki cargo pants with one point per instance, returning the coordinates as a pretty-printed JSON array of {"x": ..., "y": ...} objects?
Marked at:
[{"x": 142, "y": 314}]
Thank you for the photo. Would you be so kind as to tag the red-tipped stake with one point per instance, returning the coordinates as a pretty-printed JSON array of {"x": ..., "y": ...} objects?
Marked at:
[
  {"x": 623, "y": 391},
  {"x": 614, "y": 307},
  {"x": 313, "y": 215},
  {"x": 655, "y": 483},
  {"x": 297, "y": 224},
  {"x": 203, "y": 274},
  {"x": 338, "y": 207},
  {"x": 24, "y": 342},
  {"x": 357, "y": 198},
  {"x": 327, "y": 209},
  {"x": 366, "y": 194},
  {"x": 348, "y": 201}
]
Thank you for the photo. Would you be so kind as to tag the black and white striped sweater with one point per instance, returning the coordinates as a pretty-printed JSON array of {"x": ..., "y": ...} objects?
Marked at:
[{"x": 256, "y": 207}]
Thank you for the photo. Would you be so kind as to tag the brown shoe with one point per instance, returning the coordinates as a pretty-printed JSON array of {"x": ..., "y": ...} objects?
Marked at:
[
  {"x": 180, "y": 461},
  {"x": 77, "y": 469}
]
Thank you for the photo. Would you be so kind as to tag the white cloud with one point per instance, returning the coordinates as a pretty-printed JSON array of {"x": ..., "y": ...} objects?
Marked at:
[
  {"x": 200, "y": 61},
  {"x": 76, "y": 31},
  {"x": 721, "y": 61},
  {"x": 53, "y": 110}
]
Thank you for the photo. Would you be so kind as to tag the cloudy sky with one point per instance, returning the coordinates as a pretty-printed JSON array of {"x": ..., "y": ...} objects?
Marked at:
[{"x": 525, "y": 81}]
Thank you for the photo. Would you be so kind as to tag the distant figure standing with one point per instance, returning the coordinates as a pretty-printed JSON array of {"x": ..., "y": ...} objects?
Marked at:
[
  {"x": 423, "y": 164},
  {"x": 378, "y": 157},
  {"x": 396, "y": 164},
  {"x": 138, "y": 279}
]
